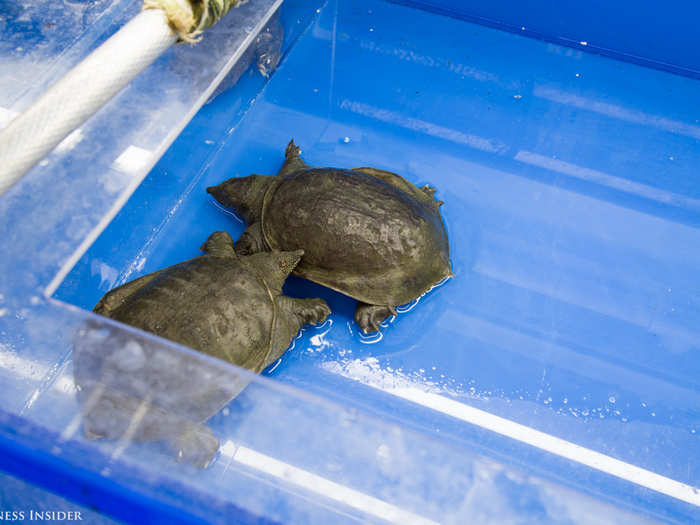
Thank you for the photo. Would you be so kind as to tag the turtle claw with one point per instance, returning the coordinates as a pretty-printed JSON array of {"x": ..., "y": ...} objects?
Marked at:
[{"x": 370, "y": 316}]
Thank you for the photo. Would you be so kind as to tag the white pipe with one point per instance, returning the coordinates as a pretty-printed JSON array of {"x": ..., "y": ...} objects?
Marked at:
[{"x": 30, "y": 136}]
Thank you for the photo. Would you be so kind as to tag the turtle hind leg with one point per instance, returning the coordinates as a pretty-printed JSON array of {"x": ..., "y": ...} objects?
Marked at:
[
  {"x": 370, "y": 316},
  {"x": 292, "y": 160},
  {"x": 251, "y": 241},
  {"x": 294, "y": 314},
  {"x": 430, "y": 192}
]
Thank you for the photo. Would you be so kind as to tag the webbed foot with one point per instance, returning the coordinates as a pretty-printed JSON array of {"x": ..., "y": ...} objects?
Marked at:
[
  {"x": 370, "y": 316},
  {"x": 312, "y": 311},
  {"x": 296, "y": 313},
  {"x": 197, "y": 445},
  {"x": 430, "y": 192},
  {"x": 219, "y": 243}
]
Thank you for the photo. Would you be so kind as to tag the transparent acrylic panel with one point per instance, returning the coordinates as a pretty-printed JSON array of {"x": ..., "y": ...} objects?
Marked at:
[
  {"x": 97, "y": 167},
  {"x": 43, "y": 39},
  {"x": 112, "y": 413}
]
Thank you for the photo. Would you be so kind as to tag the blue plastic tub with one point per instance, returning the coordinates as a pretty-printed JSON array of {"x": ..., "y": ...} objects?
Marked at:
[{"x": 553, "y": 379}]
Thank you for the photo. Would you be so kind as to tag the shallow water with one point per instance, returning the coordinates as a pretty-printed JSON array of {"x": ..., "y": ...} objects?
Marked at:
[{"x": 572, "y": 205}]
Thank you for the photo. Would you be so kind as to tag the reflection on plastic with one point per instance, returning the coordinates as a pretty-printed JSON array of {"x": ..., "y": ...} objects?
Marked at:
[
  {"x": 130, "y": 389},
  {"x": 265, "y": 53},
  {"x": 426, "y": 395},
  {"x": 323, "y": 486}
]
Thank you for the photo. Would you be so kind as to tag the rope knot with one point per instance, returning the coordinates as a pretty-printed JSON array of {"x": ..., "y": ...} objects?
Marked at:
[{"x": 189, "y": 18}]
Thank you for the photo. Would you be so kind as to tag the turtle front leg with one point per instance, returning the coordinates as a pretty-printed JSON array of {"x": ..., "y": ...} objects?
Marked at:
[
  {"x": 370, "y": 316},
  {"x": 294, "y": 314},
  {"x": 219, "y": 243},
  {"x": 251, "y": 241}
]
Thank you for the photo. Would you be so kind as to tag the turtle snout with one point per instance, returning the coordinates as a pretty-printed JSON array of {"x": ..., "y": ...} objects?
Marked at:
[{"x": 218, "y": 193}]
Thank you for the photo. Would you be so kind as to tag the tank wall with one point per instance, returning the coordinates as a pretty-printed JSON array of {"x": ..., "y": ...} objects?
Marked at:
[{"x": 660, "y": 35}]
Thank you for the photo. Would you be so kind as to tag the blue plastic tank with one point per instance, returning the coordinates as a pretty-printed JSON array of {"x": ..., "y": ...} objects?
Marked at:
[{"x": 554, "y": 379}]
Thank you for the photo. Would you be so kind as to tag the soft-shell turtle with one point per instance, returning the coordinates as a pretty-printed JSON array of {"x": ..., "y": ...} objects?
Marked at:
[
  {"x": 222, "y": 304},
  {"x": 366, "y": 233}
]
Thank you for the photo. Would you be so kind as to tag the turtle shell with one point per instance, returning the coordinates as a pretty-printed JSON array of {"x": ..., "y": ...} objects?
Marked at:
[
  {"x": 366, "y": 233},
  {"x": 188, "y": 304}
]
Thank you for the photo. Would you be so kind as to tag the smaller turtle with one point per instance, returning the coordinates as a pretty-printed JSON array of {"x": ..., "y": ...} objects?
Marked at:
[
  {"x": 222, "y": 304},
  {"x": 367, "y": 233}
]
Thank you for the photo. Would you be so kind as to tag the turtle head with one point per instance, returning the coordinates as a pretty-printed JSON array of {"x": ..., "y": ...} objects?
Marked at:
[
  {"x": 274, "y": 267},
  {"x": 244, "y": 195}
]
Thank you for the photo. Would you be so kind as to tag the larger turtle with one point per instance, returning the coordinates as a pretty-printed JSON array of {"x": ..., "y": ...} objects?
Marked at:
[
  {"x": 222, "y": 304},
  {"x": 367, "y": 233}
]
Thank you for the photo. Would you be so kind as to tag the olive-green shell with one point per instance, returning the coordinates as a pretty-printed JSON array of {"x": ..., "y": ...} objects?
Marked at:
[{"x": 367, "y": 233}]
